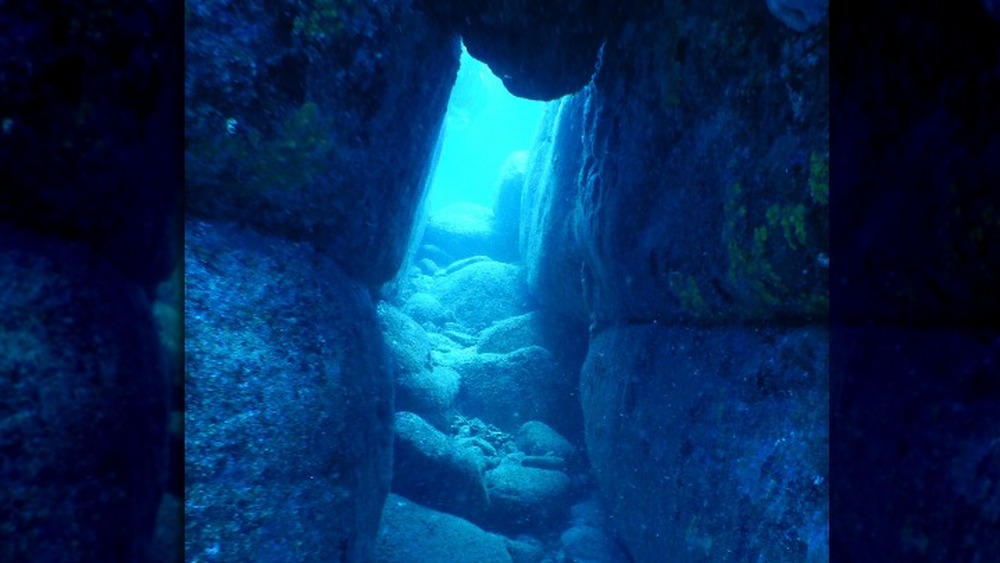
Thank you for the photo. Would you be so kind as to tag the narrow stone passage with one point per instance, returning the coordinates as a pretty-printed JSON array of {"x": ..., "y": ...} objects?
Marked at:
[{"x": 489, "y": 457}]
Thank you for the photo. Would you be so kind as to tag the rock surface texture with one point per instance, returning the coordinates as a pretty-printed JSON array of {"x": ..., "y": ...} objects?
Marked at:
[
  {"x": 80, "y": 359},
  {"x": 91, "y": 184},
  {"x": 540, "y": 49},
  {"x": 680, "y": 196},
  {"x": 303, "y": 120},
  {"x": 289, "y": 402}
]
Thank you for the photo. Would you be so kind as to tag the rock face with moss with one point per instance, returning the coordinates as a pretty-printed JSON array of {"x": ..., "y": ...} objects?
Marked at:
[
  {"x": 305, "y": 119},
  {"x": 289, "y": 406},
  {"x": 703, "y": 186},
  {"x": 688, "y": 198}
]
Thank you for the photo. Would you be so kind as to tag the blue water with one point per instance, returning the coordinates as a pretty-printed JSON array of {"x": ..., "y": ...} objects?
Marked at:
[{"x": 483, "y": 126}]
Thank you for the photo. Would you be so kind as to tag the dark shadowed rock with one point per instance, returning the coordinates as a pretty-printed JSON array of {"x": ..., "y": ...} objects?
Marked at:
[
  {"x": 694, "y": 432},
  {"x": 91, "y": 130},
  {"x": 83, "y": 406},
  {"x": 703, "y": 192},
  {"x": 317, "y": 121},
  {"x": 288, "y": 402},
  {"x": 584, "y": 544},
  {"x": 799, "y": 15},
  {"x": 540, "y": 49}
]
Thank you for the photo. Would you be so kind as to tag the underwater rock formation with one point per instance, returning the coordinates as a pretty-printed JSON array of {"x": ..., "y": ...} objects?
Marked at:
[
  {"x": 410, "y": 532},
  {"x": 83, "y": 405},
  {"x": 681, "y": 195},
  {"x": 90, "y": 142},
  {"x": 540, "y": 49},
  {"x": 711, "y": 444},
  {"x": 289, "y": 402},
  {"x": 548, "y": 244},
  {"x": 304, "y": 120}
]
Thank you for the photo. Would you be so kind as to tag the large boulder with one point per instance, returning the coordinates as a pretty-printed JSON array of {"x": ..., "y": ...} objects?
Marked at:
[
  {"x": 549, "y": 250},
  {"x": 692, "y": 433},
  {"x": 526, "y": 498},
  {"x": 303, "y": 120},
  {"x": 288, "y": 402},
  {"x": 426, "y": 309},
  {"x": 541, "y": 50},
  {"x": 83, "y": 405},
  {"x": 537, "y": 438},
  {"x": 507, "y": 206},
  {"x": 429, "y": 393},
  {"x": 461, "y": 230},
  {"x": 586, "y": 544},
  {"x": 411, "y": 532},
  {"x": 405, "y": 339},
  {"x": 511, "y": 334},
  {"x": 703, "y": 189},
  {"x": 510, "y": 389},
  {"x": 482, "y": 293},
  {"x": 437, "y": 471}
]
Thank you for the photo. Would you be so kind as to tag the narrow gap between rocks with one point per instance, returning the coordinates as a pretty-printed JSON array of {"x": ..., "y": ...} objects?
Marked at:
[{"x": 488, "y": 429}]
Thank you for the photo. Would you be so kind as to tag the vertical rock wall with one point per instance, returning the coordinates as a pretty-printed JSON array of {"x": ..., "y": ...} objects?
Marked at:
[
  {"x": 305, "y": 119},
  {"x": 692, "y": 205},
  {"x": 90, "y": 190},
  {"x": 312, "y": 126},
  {"x": 289, "y": 403}
]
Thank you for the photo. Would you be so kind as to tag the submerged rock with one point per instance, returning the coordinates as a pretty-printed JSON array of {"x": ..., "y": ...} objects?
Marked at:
[
  {"x": 511, "y": 334},
  {"x": 84, "y": 404},
  {"x": 432, "y": 469},
  {"x": 698, "y": 202},
  {"x": 461, "y": 230},
  {"x": 540, "y": 49},
  {"x": 691, "y": 433},
  {"x": 410, "y": 532},
  {"x": 507, "y": 207},
  {"x": 548, "y": 246},
  {"x": 406, "y": 340},
  {"x": 584, "y": 544},
  {"x": 536, "y": 438},
  {"x": 526, "y": 498},
  {"x": 317, "y": 122},
  {"x": 799, "y": 15},
  {"x": 429, "y": 393},
  {"x": 425, "y": 308},
  {"x": 509, "y": 389},
  {"x": 482, "y": 293},
  {"x": 288, "y": 402}
]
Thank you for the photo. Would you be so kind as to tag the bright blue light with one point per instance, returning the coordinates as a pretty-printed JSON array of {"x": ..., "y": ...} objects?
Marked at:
[{"x": 483, "y": 126}]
